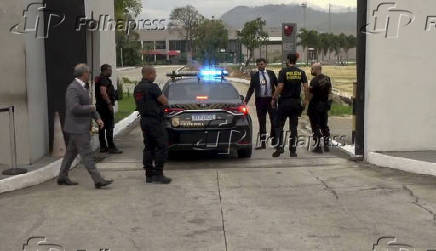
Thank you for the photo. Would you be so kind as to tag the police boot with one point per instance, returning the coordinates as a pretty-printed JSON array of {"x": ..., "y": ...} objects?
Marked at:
[
  {"x": 327, "y": 145},
  {"x": 149, "y": 175},
  {"x": 279, "y": 150},
  {"x": 317, "y": 148},
  {"x": 160, "y": 178},
  {"x": 293, "y": 152}
]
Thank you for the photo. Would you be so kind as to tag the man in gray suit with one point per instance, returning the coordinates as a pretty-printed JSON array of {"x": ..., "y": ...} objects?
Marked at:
[{"x": 78, "y": 114}]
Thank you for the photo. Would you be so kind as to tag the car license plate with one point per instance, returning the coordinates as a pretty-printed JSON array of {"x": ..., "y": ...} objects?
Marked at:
[{"x": 203, "y": 117}]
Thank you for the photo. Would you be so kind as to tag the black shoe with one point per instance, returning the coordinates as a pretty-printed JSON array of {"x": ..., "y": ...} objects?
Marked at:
[
  {"x": 317, "y": 149},
  {"x": 103, "y": 183},
  {"x": 293, "y": 155},
  {"x": 326, "y": 149},
  {"x": 104, "y": 149},
  {"x": 277, "y": 153},
  {"x": 67, "y": 182},
  {"x": 161, "y": 179},
  {"x": 148, "y": 179},
  {"x": 115, "y": 151}
]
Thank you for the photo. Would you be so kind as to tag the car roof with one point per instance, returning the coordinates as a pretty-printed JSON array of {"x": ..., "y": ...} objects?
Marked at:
[
  {"x": 191, "y": 81},
  {"x": 194, "y": 80}
]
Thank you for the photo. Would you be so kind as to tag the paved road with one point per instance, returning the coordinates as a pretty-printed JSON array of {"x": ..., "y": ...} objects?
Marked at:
[{"x": 223, "y": 203}]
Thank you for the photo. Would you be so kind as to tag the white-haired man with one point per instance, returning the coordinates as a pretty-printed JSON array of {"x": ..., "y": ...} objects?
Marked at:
[{"x": 78, "y": 114}]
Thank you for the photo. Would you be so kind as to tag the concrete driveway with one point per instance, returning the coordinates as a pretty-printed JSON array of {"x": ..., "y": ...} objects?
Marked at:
[{"x": 315, "y": 202}]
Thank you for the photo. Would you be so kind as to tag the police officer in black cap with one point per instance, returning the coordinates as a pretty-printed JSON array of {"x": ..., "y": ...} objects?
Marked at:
[
  {"x": 288, "y": 95},
  {"x": 319, "y": 106},
  {"x": 150, "y": 103}
]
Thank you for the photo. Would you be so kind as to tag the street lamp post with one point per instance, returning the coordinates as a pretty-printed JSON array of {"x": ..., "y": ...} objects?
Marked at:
[{"x": 304, "y": 6}]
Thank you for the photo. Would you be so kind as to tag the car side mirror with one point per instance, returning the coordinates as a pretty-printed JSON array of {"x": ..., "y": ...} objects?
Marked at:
[{"x": 242, "y": 97}]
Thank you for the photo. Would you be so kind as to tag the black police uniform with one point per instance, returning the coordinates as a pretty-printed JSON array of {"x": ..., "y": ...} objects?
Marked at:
[
  {"x": 318, "y": 109},
  {"x": 152, "y": 125},
  {"x": 289, "y": 104},
  {"x": 106, "y": 134}
]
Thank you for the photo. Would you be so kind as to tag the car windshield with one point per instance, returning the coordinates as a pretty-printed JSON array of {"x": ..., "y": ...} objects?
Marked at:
[{"x": 188, "y": 93}]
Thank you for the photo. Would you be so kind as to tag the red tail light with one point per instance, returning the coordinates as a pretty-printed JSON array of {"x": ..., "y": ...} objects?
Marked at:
[
  {"x": 171, "y": 110},
  {"x": 242, "y": 109}
]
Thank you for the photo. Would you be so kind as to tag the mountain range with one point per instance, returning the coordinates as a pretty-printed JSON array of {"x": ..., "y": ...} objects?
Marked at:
[{"x": 275, "y": 15}]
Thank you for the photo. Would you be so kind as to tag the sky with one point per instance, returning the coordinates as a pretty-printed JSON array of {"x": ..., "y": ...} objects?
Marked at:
[{"x": 209, "y": 8}]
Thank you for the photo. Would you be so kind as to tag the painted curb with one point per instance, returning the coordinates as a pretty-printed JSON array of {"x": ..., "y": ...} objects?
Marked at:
[
  {"x": 51, "y": 170},
  {"x": 126, "y": 123},
  {"x": 239, "y": 80},
  {"x": 400, "y": 163}
]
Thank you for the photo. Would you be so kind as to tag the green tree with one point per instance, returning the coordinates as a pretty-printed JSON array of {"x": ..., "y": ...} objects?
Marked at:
[
  {"x": 211, "y": 36},
  {"x": 131, "y": 7},
  {"x": 332, "y": 41},
  {"x": 336, "y": 46},
  {"x": 309, "y": 39},
  {"x": 342, "y": 40},
  {"x": 304, "y": 39},
  {"x": 350, "y": 43},
  {"x": 186, "y": 20},
  {"x": 252, "y": 36},
  {"x": 128, "y": 47},
  {"x": 324, "y": 44}
]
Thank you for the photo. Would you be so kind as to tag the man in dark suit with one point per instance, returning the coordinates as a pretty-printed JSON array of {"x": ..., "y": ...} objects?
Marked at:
[
  {"x": 105, "y": 96},
  {"x": 78, "y": 114},
  {"x": 263, "y": 84}
]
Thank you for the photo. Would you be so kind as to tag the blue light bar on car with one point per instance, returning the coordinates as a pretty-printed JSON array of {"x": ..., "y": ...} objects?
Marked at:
[{"x": 213, "y": 73}]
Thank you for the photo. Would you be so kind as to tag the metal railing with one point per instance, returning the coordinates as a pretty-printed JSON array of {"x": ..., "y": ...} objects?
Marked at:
[{"x": 13, "y": 170}]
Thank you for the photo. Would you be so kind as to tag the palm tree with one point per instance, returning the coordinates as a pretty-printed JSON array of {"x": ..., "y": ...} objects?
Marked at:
[
  {"x": 308, "y": 39},
  {"x": 332, "y": 40},
  {"x": 342, "y": 42},
  {"x": 324, "y": 44},
  {"x": 350, "y": 43},
  {"x": 304, "y": 40},
  {"x": 336, "y": 45}
]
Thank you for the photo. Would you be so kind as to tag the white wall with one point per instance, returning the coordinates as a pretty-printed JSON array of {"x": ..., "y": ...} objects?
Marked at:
[
  {"x": 400, "y": 110},
  {"x": 13, "y": 81},
  {"x": 23, "y": 84},
  {"x": 104, "y": 41},
  {"x": 36, "y": 84}
]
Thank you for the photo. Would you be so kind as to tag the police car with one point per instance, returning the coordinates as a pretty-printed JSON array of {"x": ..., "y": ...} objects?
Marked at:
[{"x": 206, "y": 113}]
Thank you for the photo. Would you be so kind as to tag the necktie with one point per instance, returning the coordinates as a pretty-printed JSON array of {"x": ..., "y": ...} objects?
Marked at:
[{"x": 266, "y": 83}]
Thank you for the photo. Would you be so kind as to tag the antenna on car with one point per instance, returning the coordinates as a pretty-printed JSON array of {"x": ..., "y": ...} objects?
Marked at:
[{"x": 174, "y": 75}]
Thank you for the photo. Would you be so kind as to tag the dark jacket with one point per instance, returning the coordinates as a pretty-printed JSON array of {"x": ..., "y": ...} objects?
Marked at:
[
  {"x": 255, "y": 84},
  {"x": 78, "y": 113},
  {"x": 146, "y": 98}
]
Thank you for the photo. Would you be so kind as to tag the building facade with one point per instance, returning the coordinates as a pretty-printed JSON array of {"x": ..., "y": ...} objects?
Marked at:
[{"x": 41, "y": 43}]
